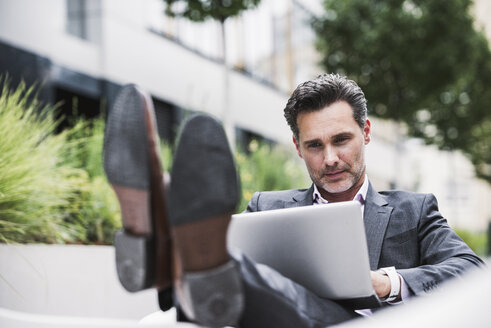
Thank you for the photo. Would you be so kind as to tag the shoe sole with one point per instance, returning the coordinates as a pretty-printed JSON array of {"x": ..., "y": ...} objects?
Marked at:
[
  {"x": 204, "y": 194},
  {"x": 133, "y": 168}
]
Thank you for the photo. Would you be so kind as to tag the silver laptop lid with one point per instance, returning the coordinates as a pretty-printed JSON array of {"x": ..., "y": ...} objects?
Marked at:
[{"x": 321, "y": 247}]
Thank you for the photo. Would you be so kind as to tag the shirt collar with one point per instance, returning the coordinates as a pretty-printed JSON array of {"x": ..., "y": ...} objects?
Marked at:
[{"x": 360, "y": 196}]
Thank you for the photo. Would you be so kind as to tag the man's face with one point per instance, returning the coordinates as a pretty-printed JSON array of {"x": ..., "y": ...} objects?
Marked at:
[{"x": 333, "y": 147}]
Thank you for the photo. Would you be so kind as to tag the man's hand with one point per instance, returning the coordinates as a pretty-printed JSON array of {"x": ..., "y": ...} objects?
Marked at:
[{"x": 381, "y": 284}]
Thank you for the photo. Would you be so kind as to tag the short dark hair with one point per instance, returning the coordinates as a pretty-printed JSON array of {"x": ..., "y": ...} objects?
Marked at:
[{"x": 323, "y": 91}]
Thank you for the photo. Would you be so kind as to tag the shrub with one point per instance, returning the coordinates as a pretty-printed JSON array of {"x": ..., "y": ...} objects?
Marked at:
[
  {"x": 94, "y": 210},
  {"x": 477, "y": 241},
  {"x": 34, "y": 187},
  {"x": 269, "y": 168},
  {"x": 53, "y": 188},
  {"x": 51, "y": 185}
]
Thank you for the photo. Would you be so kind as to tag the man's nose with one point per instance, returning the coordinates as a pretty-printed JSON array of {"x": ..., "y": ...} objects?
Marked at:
[{"x": 330, "y": 156}]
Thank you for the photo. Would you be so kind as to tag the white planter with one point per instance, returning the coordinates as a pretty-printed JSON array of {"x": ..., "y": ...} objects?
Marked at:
[{"x": 68, "y": 280}]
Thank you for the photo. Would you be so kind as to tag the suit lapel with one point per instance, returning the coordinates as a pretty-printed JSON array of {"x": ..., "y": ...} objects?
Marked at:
[
  {"x": 301, "y": 198},
  {"x": 376, "y": 218}
]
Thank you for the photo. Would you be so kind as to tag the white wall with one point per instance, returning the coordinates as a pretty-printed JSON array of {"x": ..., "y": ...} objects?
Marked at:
[
  {"x": 39, "y": 26},
  {"x": 128, "y": 52}
]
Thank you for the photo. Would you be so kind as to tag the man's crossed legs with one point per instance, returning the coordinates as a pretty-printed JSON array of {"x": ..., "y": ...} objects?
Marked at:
[{"x": 174, "y": 234}]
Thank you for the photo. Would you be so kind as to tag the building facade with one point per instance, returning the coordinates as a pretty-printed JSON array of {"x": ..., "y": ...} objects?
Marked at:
[{"x": 82, "y": 51}]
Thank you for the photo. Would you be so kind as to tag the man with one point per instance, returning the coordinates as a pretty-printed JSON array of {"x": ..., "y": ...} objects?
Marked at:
[{"x": 408, "y": 239}]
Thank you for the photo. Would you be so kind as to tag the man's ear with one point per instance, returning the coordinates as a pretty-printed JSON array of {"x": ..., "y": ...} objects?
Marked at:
[
  {"x": 367, "y": 131},
  {"x": 297, "y": 145}
]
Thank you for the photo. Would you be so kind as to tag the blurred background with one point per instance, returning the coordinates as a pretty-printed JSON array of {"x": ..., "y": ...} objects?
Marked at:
[{"x": 424, "y": 65}]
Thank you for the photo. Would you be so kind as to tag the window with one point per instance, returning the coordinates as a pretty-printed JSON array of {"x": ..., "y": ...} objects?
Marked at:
[{"x": 76, "y": 23}]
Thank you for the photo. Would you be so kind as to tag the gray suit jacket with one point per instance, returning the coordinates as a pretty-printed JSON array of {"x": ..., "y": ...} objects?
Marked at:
[{"x": 403, "y": 229}]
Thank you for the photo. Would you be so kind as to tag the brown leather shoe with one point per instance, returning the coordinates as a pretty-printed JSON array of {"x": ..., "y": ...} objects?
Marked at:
[
  {"x": 203, "y": 195},
  {"x": 133, "y": 167}
]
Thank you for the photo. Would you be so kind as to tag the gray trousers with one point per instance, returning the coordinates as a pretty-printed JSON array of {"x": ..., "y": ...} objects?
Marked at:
[{"x": 272, "y": 300}]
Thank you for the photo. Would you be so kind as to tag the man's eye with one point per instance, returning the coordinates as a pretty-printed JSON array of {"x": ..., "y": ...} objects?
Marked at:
[
  {"x": 314, "y": 145},
  {"x": 341, "y": 140}
]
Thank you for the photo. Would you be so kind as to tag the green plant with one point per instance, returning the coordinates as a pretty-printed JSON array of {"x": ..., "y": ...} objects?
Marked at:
[
  {"x": 53, "y": 188},
  {"x": 94, "y": 209},
  {"x": 166, "y": 154},
  {"x": 477, "y": 241},
  {"x": 268, "y": 168},
  {"x": 34, "y": 187},
  {"x": 84, "y": 145}
]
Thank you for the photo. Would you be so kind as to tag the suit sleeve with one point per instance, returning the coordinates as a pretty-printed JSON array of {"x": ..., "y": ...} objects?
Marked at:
[
  {"x": 252, "y": 206},
  {"x": 442, "y": 254}
]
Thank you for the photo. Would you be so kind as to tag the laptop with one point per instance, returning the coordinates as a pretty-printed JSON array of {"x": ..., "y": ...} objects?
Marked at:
[{"x": 321, "y": 247}]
